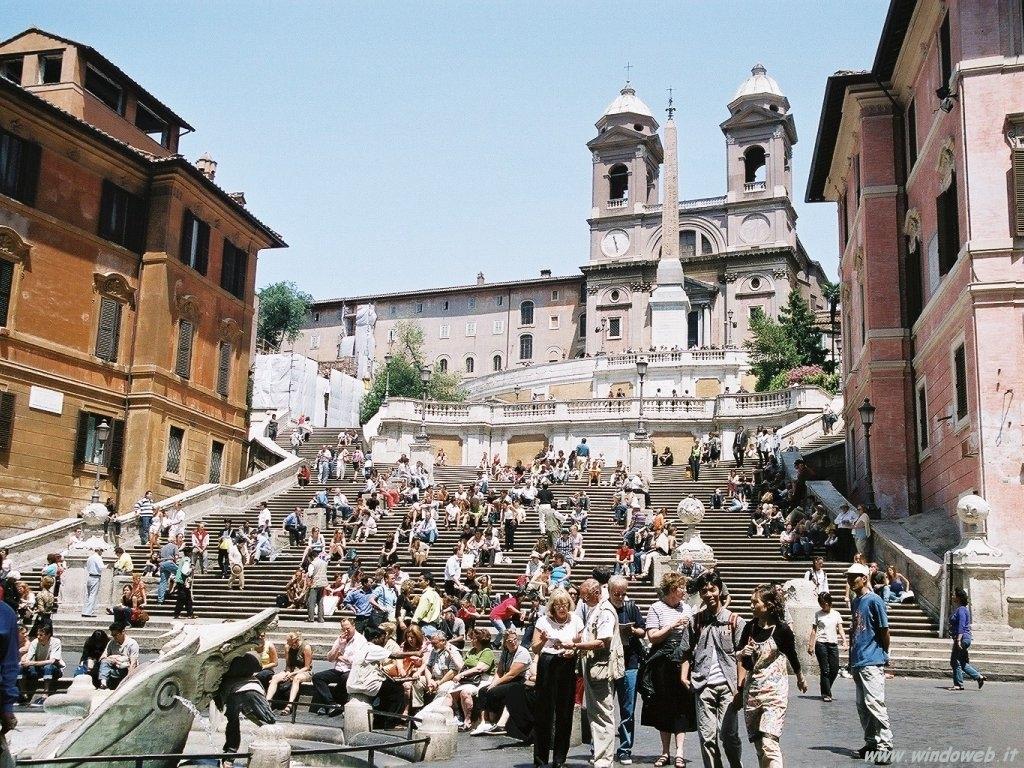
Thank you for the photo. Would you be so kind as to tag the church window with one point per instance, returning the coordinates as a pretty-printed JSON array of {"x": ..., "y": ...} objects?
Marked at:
[
  {"x": 706, "y": 246},
  {"x": 496, "y": 363},
  {"x": 637, "y": 127},
  {"x": 554, "y": 295},
  {"x": 526, "y": 313},
  {"x": 755, "y": 311},
  {"x": 445, "y": 331},
  {"x": 498, "y": 327},
  {"x": 754, "y": 162},
  {"x": 687, "y": 243},
  {"x": 618, "y": 182},
  {"x": 614, "y": 296},
  {"x": 470, "y": 364},
  {"x": 526, "y": 347},
  {"x": 471, "y": 329},
  {"x": 553, "y": 322},
  {"x": 614, "y": 327},
  {"x": 442, "y": 365},
  {"x": 755, "y": 283}
]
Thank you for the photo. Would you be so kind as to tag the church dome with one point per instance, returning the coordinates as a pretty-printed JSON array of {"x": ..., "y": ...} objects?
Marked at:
[
  {"x": 760, "y": 83},
  {"x": 628, "y": 102}
]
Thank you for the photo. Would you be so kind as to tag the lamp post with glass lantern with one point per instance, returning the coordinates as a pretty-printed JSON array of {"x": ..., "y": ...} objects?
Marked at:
[
  {"x": 387, "y": 376},
  {"x": 867, "y": 418},
  {"x": 728, "y": 329},
  {"x": 102, "y": 433},
  {"x": 424, "y": 380},
  {"x": 641, "y": 371}
]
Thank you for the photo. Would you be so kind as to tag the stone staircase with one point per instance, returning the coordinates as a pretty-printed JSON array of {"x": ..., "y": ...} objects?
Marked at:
[{"x": 743, "y": 563}]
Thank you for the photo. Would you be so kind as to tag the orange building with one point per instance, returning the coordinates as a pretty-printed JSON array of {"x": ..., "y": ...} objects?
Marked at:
[{"x": 126, "y": 291}]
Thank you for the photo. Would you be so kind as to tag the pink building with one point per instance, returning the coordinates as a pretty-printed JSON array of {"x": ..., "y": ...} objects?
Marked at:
[{"x": 924, "y": 155}]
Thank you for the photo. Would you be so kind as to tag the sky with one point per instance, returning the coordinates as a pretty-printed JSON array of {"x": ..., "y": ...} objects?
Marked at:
[{"x": 404, "y": 145}]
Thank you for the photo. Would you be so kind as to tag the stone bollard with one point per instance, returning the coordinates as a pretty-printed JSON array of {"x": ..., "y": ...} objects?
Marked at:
[
  {"x": 576, "y": 736},
  {"x": 269, "y": 748},
  {"x": 801, "y": 605},
  {"x": 438, "y": 722},
  {"x": 357, "y": 716}
]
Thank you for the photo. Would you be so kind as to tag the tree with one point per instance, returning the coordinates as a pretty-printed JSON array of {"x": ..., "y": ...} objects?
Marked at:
[
  {"x": 831, "y": 293},
  {"x": 400, "y": 376},
  {"x": 798, "y": 321},
  {"x": 772, "y": 351},
  {"x": 283, "y": 310}
]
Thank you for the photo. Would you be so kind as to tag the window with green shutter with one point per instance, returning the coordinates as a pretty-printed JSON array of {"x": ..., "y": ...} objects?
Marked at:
[
  {"x": 108, "y": 332},
  {"x": 1018, "y": 190},
  {"x": 175, "y": 445},
  {"x": 183, "y": 358},
  {"x": 960, "y": 381},
  {"x": 19, "y": 168},
  {"x": 122, "y": 217},
  {"x": 6, "y": 421},
  {"x": 216, "y": 460},
  {"x": 195, "y": 242},
  {"x": 6, "y": 287},
  {"x": 223, "y": 368}
]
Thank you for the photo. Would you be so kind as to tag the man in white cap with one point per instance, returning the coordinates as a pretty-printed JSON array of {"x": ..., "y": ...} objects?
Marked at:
[{"x": 869, "y": 652}]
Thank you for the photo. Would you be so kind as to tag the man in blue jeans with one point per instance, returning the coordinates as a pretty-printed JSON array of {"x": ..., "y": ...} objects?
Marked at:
[
  {"x": 168, "y": 565},
  {"x": 632, "y": 628},
  {"x": 869, "y": 653}
]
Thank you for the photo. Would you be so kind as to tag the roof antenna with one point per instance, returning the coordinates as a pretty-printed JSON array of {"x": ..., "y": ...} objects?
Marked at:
[{"x": 671, "y": 110}]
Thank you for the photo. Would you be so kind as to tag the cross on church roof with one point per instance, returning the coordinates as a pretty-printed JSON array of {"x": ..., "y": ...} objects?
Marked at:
[
  {"x": 628, "y": 67},
  {"x": 671, "y": 110}
]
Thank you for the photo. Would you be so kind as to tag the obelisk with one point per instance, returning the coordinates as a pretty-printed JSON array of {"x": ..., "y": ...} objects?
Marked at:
[{"x": 669, "y": 303}]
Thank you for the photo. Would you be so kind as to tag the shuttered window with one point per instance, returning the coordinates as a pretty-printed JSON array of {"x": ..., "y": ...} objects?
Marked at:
[
  {"x": 108, "y": 332},
  {"x": 960, "y": 381},
  {"x": 234, "y": 267},
  {"x": 6, "y": 421},
  {"x": 195, "y": 242},
  {"x": 1018, "y": 191},
  {"x": 183, "y": 358},
  {"x": 122, "y": 217},
  {"x": 19, "y": 168},
  {"x": 223, "y": 368},
  {"x": 175, "y": 444},
  {"x": 216, "y": 460},
  {"x": 88, "y": 449},
  {"x": 6, "y": 286},
  {"x": 947, "y": 213}
]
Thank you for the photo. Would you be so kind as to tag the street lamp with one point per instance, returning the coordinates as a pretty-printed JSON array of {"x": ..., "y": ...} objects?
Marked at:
[
  {"x": 424, "y": 380},
  {"x": 641, "y": 371},
  {"x": 728, "y": 328},
  {"x": 387, "y": 375},
  {"x": 867, "y": 418},
  {"x": 101, "y": 434},
  {"x": 516, "y": 390}
]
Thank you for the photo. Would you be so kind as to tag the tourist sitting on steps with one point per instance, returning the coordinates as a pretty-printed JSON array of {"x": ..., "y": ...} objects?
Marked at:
[
  {"x": 43, "y": 662},
  {"x": 120, "y": 659},
  {"x": 298, "y": 669}
]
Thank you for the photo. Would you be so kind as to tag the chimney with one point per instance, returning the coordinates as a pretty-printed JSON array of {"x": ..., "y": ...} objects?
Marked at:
[
  {"x": 207, "y": 166},
  {"x": 479, "y": 278},
  {"x": 238, "y": 197},
  {"x": 545, "y": 273}
]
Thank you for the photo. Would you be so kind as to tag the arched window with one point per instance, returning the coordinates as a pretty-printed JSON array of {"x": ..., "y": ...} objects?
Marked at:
[
  {"x": 526, "y": 347},
  {"x": 687, "y": 243},
  {"x": 470, "y": 364},
  {"x": 526, "y": 313},
  {"x": 618, "y": 182},
  {"x": 496, "y": 362},
  {"x": 442, "y": 365},
  {"x": 754, "y": 161},
  {"x": 706, "y": 246}
]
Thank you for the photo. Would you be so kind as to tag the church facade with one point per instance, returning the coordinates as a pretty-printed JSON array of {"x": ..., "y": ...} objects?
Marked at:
[{"x": 739, "y": 253}]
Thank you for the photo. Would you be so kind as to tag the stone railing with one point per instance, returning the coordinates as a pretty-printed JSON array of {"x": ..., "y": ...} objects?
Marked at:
[
  {"x": 755, "y": 186},
  {"x": 691, "y": 205},
  {"x": 738, "y": 406},
  {"x": 676, "y": 357},
  {"x": 211, "y": 501},
  {"x": 622, "y": 202}
]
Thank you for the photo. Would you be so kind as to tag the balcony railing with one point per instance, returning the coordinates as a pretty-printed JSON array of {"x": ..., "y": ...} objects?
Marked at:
[
  {"x": 621, "y": 202},
  {"x": 755, "y": 186}
]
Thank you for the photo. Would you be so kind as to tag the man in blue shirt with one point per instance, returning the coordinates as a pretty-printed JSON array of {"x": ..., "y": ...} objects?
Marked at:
[
  {"x": 869, "y": 653},
  {"x": 582, "y": 453},
  {"x": 10, "y": 658},
  {"x": 359, "y": 601}
]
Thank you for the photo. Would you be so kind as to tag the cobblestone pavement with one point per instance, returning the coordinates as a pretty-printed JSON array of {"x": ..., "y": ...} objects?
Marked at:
[{"x": 932, "y": 725}]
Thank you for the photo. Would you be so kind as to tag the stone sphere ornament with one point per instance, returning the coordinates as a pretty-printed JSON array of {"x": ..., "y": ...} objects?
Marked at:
[
  {"x": 973, "y": 510},
  {"x": 94, "y": 515},
  {"x": 690, "y": 511}
]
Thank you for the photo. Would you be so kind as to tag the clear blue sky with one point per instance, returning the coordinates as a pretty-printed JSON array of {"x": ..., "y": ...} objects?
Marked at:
[{"x": 399, "y": 145}]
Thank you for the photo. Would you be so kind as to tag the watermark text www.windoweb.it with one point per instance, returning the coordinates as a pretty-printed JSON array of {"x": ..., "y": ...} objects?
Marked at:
[{"x": 948, "y": 756}]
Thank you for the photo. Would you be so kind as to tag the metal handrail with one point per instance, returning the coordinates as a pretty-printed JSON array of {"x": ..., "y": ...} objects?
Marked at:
[{"x": 139, "y": 760}]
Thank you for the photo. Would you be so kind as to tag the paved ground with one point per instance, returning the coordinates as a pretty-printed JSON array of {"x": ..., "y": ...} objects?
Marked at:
[{"x": 926, "y": 719}]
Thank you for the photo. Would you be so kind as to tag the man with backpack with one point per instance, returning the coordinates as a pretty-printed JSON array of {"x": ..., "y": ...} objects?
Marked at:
[{"x": 603, "y": 665}]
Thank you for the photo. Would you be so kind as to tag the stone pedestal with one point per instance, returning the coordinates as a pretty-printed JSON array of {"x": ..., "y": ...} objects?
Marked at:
[
  {"x": 801, "y": 605},
  {"x": 269, "y": 748},
  {"x": 72, "y": 583},
  {"x": 357, "y": 711},
  {"x": 422, "y": 452},
  {"x": 438, "y": 722},
  {"x": 981, "y": 571},
  {"x": 576, "y": 735},
  {"x": 690, "y": 512},
  {"x": 641, "y": 461}
]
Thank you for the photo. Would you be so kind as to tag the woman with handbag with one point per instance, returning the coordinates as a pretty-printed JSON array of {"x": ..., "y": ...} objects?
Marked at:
[
  {"x": 554, "y": 638},
  {"x": 478, "y": 667}
]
